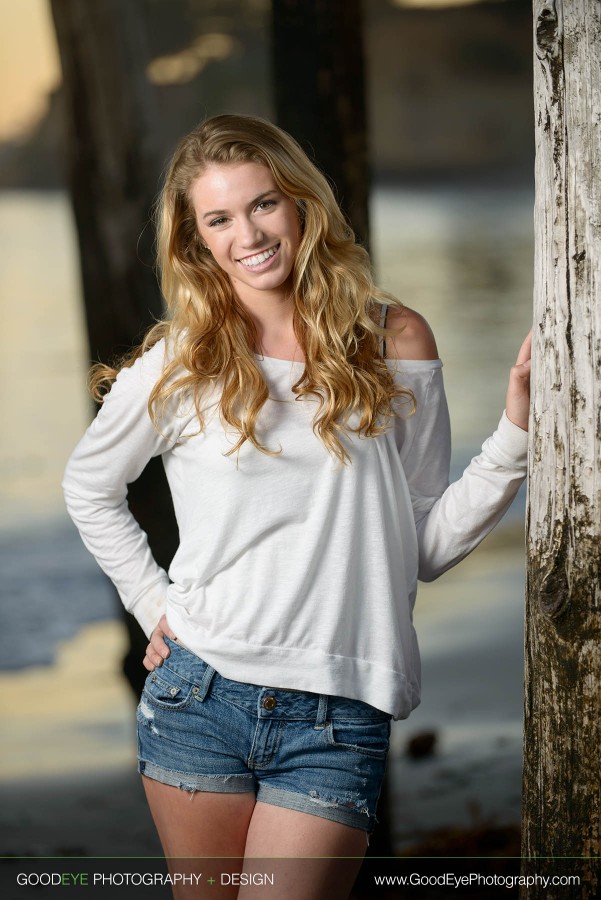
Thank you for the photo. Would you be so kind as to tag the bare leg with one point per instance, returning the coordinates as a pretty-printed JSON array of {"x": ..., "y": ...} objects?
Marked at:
[
  {"x": 278, "y": 832},
  {"x": 200, "y": 824}
]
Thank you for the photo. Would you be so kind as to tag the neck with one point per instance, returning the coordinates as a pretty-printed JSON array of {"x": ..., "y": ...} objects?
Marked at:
[
  {"x": 277, "y": 338},
  {"x": 273, "y": 315}
]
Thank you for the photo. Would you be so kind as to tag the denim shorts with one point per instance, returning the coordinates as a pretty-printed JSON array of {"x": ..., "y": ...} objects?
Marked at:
[{"x": 313, "y": 753}]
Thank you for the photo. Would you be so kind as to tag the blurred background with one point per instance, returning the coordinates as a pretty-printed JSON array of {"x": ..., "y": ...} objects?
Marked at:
[{"x": 449, "y": 98}]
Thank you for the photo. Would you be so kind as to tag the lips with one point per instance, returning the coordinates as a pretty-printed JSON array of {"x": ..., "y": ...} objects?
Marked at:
[{"x": 259, "y": 261}]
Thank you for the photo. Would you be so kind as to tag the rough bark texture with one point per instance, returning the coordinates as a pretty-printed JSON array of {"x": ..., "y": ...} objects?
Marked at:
[
  {"x": 562, "y": 784},
  {"x": 320, "y": 93},
  {"x": 113, "y": 176}
]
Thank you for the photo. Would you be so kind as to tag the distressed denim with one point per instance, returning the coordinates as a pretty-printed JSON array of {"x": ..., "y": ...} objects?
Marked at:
[{"x": 313, "y": 753}]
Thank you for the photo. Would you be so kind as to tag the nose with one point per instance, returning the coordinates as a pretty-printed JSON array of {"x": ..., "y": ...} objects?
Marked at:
[{"x": 250, "y": 233}]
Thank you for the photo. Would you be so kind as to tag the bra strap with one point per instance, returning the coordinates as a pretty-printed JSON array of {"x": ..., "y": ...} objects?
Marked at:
[{"x": 383, "y": 317}]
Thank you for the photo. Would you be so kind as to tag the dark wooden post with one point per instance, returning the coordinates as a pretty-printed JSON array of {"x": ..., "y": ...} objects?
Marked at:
[
  {"x": 113, "y": 166},
  {"x": 113, "y": 174},
  {"x": 320, "y": 93}
]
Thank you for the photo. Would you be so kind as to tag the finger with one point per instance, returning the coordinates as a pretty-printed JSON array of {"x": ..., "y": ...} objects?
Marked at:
[
  {"x": 155, "y": 657},
  {"x": 517, "y": 402},
  {"x": 521, "y": 372},
  {"x": 157, "y": 646},
  {"x": 157, "y": 642},
  {"x": 525, "y": 351},
  {"x": 157, "y": 650},
  {"x": 165, "y": 627}
]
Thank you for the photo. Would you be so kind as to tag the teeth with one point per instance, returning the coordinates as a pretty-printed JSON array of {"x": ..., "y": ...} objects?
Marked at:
[{"x": 259, "y": 258}]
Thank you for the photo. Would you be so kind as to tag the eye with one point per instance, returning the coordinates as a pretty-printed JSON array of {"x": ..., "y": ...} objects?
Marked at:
[
  {"x": 266, "y": 204},
  {"x": 219, "y": 221}
]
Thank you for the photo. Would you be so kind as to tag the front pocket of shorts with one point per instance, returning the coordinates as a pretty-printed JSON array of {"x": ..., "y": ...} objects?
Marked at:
[
  {"x": 165, "y": 688},
  {"x": 367, "y": 738}
]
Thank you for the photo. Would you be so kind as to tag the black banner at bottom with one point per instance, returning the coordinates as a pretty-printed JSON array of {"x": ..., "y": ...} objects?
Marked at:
[{"x": 386, "y": 877}]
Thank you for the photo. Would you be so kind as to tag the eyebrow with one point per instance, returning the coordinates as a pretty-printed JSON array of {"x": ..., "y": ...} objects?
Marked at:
[{"x": 221, "y": 212}]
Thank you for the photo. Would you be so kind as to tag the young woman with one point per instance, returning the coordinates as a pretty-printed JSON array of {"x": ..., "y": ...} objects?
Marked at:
[{"x": 306, "y": 444}]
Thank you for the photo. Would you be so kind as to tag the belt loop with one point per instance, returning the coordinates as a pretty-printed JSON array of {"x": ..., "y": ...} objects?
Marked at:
[
  {"x": 203, "y": 689},
  {"x": 322, "y": 712}
]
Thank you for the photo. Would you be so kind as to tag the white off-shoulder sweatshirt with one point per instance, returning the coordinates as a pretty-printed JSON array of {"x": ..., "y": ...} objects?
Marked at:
[{"x": 292, "y": 570}]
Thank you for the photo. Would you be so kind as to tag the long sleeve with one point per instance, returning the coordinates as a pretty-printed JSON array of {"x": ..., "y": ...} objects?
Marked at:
[
  {"x": 112, "y": 453},
  {"x": 451, "y": 520}
]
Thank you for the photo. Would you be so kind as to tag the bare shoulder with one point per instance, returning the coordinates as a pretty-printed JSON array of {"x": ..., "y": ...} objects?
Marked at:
[{"x": 414, "y": 341}]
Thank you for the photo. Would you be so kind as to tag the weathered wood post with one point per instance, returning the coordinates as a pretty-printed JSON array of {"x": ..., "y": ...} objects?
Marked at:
[{"x": 562, "y": 742}]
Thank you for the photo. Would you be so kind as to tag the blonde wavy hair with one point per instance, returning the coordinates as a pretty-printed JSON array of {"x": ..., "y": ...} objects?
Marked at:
[{"x": 213, "y": 338}]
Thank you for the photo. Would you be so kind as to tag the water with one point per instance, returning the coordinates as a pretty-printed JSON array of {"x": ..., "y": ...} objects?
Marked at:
[
  {"x": 51, "y": 587},
  {"x": 463, "y": 258}
]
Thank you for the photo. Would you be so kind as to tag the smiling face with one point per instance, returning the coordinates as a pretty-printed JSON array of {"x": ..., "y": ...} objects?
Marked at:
[{"x": 251, "y": 228}]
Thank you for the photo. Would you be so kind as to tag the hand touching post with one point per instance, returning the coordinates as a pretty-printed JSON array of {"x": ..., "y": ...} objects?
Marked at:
[{"x": 517, "y": 403}]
